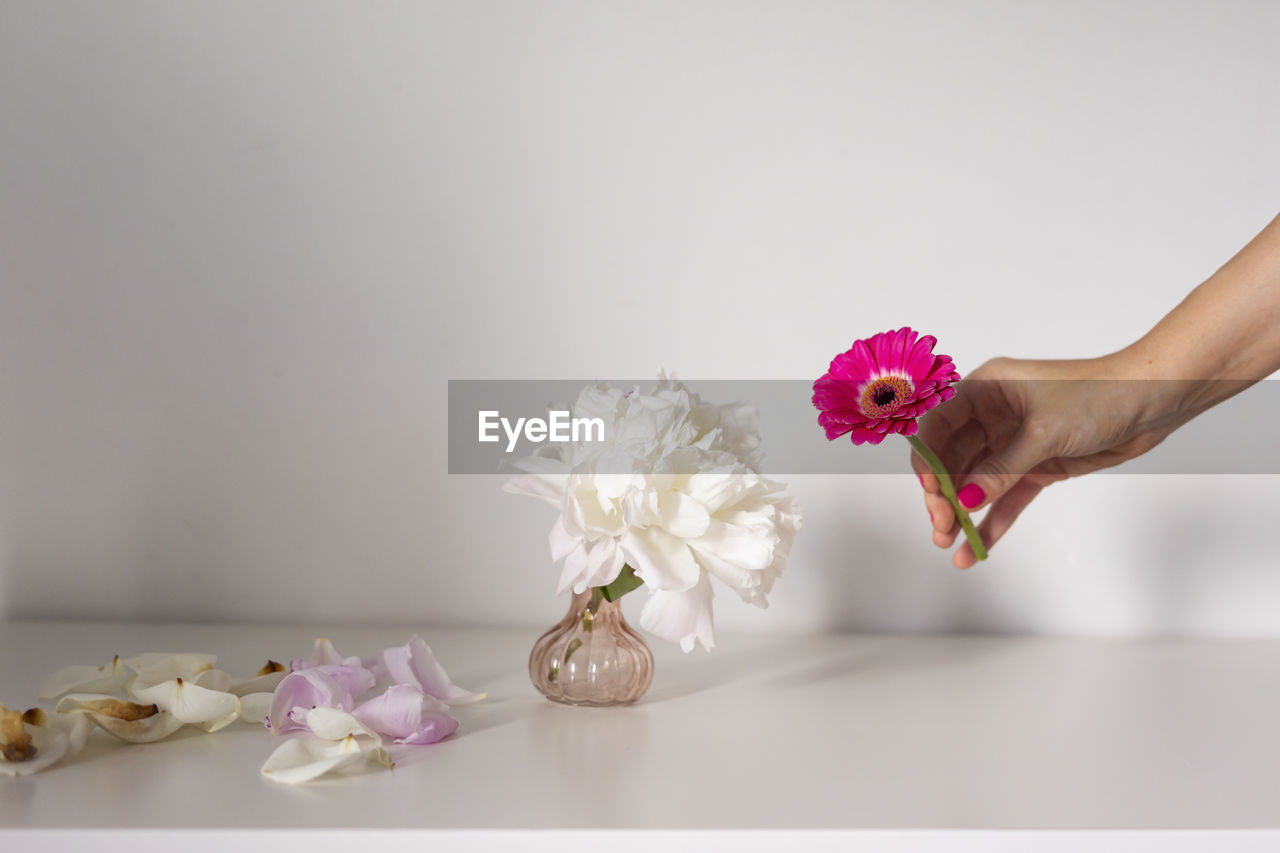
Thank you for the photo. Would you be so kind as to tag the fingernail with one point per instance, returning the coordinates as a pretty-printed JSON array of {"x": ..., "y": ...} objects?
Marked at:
[
  {"x": 971, "y": 495},
  {"x": 930, "y": 516},
  {"x": 920, "y": 477}
]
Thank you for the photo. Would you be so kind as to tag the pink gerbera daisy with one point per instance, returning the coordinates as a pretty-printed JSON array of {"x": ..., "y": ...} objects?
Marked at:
[{"x": 881, "y": 385}]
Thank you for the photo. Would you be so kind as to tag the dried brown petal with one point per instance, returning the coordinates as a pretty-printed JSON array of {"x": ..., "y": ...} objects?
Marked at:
[
  {"x": 271, "y": 667},
  {"x": 15, "y": 743},
  {"x": 121, "y": 710}
]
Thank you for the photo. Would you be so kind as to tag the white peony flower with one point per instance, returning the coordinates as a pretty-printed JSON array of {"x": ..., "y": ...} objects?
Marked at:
[{"x": 672, "y": 493}]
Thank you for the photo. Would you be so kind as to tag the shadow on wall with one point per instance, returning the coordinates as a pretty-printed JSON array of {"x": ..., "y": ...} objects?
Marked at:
[
  {"x": 1109, "y": 555},
  {"x": 1202, "y": 548},
  {"x": 875, "y": 569}
]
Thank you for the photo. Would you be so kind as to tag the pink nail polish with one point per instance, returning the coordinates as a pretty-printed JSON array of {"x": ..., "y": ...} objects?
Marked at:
[
  {"x": 920, "y": 477},
  {"x": 930, "y": 516},
  {"x": 971, "y": 495}
]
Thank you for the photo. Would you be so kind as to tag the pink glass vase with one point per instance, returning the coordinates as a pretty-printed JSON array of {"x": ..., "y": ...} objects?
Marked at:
[{"x": 592, "y": 657}]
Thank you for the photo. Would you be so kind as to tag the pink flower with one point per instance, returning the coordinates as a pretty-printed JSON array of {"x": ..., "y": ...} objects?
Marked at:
[{"x": 881, "y": 385}]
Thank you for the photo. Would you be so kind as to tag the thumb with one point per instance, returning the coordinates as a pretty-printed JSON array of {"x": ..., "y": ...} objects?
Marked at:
[{"x": 1000, "y": 471}]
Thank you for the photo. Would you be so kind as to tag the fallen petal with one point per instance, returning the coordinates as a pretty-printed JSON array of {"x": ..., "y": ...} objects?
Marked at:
[
  {"x": 413, "y": 663},
  {"x": 128, "y": 721},
  {"x": 336, "y": 724},
  {"x": 408, "y": 715},
  {"x": 85, "y": 679},
  {"x": 316, "y": 687},
  {"x": 77, "y": 726},
  {"x": 15, "y": 740},
  {"x": 155, "y": 668},
  {"x": 303, "y": 759},
  {"x": 214, "y": 679},
  {"x": 190, "y": 703},
  {"x": 264, "y": 681},
  {"x": 324, "y": 654},
  {"x": 29, "y": 748},
  {"x": 254, "y": 708}
]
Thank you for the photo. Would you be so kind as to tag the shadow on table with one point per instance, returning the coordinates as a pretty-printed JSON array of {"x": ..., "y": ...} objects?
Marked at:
[{"x": 792, "y": 663}]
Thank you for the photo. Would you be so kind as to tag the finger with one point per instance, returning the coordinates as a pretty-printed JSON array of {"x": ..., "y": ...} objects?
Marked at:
[
  {"x": 946, "y": 538},
  {"x": 1007, "y": 509},
  {"x": 941, "y": 512},
  {"x": 928, "y": 481},
  {"x": 1002, "y": 470},
  {"x": 1000, "y": 517},
  {"x": 963, "y": 558}
]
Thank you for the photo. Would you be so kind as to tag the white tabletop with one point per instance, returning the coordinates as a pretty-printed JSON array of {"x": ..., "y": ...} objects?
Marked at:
[{"x": 842, "y": 732}]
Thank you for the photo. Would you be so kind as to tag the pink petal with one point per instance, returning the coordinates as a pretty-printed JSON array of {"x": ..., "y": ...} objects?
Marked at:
[
  {"x": 413, "y": 663},
  {"x": 921, "y": 362},
  {"x": 882, "y": 346},
  {"x": 862, "y": 434},
  {"x": 857, "y": 363},
  {"x": 907, "y": 340},
  {"x": 436, "y": 726},
  {"x": 317, "y": 686},
  {"x": 407, "y": 714}
]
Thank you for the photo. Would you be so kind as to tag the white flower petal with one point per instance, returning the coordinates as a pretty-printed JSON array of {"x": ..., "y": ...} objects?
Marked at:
[
  {"x": 85, "y": 679},
  {"x": 266, "y": 681},
  {"x": 684, "y": 516},
  {"x": 336, "y": 724},
  {"x": 743, "y": 581},
  {"x": 126, "y": 720},
  {"x": 214, "y": 679},
  {"x": 254, "y": 708},
  {"x": 719, "y": 489},
  {"x": 75, "y": 726},
  {"x": 302, "y": 759},
  {"x": 575, "y": 566},
  {"x": 737, "y": 545},
  {"x": 154, "y": 667},
  {"x": 562, "y": 541},
  {"x": 683, "y": 616},
  {"x": 191, "y": 703},
  {"x": 661, "y": 560},
  {"x": 603, "y": 565}
]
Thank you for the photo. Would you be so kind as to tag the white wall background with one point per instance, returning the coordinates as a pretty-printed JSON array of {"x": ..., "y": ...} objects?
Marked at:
[{"x": 243, "y": 245}]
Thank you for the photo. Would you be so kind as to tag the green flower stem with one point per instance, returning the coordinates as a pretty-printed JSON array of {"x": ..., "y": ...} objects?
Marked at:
[
  {"x": 626, "y": 581},
  {"x": 949, "y": 490}
]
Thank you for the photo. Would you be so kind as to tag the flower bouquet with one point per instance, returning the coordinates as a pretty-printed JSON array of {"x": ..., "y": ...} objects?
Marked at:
[{"x": 668, "y": 500}]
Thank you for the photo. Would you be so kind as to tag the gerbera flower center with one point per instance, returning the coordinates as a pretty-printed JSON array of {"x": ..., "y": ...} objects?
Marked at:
[{"x": 884, "y": 396}]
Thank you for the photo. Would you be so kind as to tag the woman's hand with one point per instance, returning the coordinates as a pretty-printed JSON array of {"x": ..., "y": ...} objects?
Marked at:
[{"x": 1015, "y": 426}]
